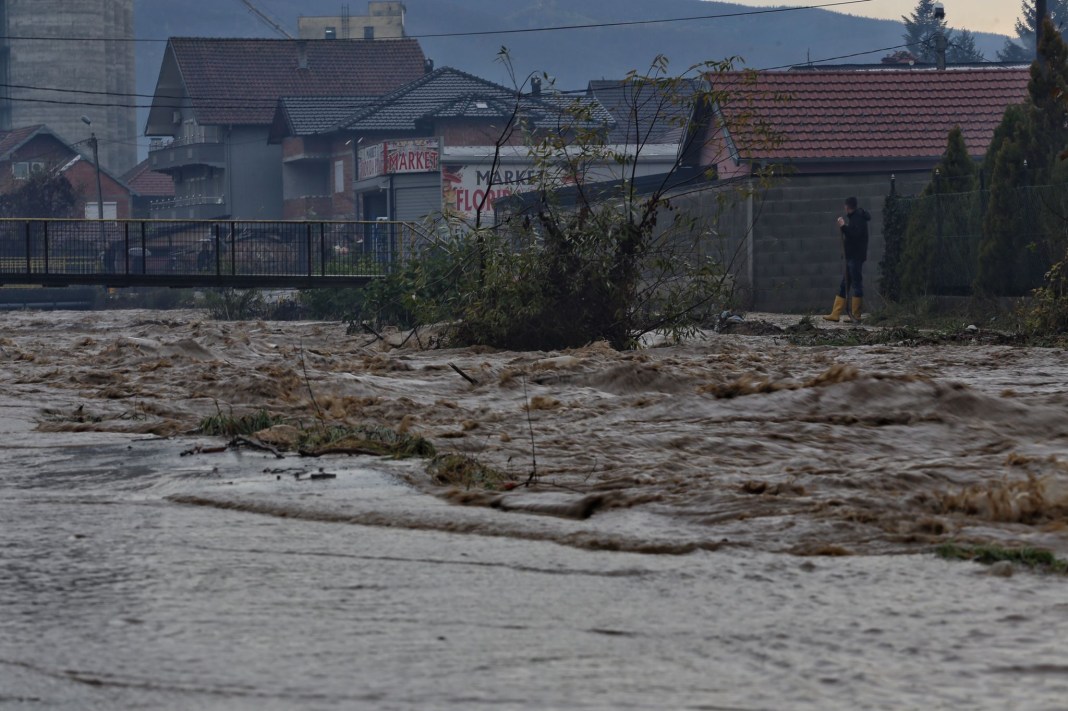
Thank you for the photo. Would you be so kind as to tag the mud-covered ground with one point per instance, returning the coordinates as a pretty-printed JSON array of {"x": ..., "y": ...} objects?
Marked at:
[{"x": 731, "y": 440}]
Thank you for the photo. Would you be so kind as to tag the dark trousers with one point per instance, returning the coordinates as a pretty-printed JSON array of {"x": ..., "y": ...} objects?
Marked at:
[{"x": 855, "y": 267}]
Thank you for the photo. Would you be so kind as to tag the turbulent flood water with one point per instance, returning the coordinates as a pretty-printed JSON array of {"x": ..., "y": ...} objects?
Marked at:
[{"x": 761, "y": 523}]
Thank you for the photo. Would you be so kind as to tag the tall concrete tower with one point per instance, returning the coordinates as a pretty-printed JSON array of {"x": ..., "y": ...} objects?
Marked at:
[{"x": 96, "y": 56}]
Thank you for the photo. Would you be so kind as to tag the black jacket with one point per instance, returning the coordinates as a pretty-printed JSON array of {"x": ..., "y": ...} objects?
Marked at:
[{"x": 855, "y": 234}]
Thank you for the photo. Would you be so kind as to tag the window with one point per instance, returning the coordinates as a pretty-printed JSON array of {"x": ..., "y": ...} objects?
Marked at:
[
  {"x": 21, "y": 171},
  {"x": 339, "y": 176},
  {"x": 111, "y": 210},
  {"x": 368, "y": 32},
  {"x": 330, "y": 33}
]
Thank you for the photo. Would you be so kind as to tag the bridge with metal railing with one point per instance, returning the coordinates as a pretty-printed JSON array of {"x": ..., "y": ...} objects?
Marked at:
[{"x": 182, "y": 253}]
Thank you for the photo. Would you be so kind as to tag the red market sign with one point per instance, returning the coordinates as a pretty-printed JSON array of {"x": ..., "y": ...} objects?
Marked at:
[
  {"x": 469, "y": 188},
  {"x": 420, "y": 155}
]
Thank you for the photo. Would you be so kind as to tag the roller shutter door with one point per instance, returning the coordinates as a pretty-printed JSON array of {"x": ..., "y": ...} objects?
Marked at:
[{"x": 416, "y": 197}]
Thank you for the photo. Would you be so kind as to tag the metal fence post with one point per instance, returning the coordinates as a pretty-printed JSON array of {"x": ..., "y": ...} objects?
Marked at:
[
  {"x": 218, "y": 250},
  {"x": 322, "y": 249},
  {"x": 126, "y": 250},
  {"x": 233, "y": 251},
  {"x": 308, "y": 249},
  {"x": 144, "y": 250},
  {"x": 45, "y": 247},
  {"x": 29, "y": 247}
]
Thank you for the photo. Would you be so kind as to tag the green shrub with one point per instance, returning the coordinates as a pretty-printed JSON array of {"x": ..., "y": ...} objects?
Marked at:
[
  {"x": 234, "y": 304},
  {"x": 230, "y": 425}
]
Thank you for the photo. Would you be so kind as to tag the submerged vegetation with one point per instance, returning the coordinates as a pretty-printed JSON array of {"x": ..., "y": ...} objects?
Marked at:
[
  {"x": 362, "y": 439},
  {"x": 466, "y": 472},
  {"x": 1034, "y": 558},
  {"x": 231, "y": 425}
]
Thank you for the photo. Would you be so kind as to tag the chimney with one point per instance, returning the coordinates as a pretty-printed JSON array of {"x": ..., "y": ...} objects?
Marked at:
[
  {"x": 302, "y": 54},
  {"x": 535, "y": 86},
  {"x": 1041, "y": 13},
  {"x": 941, "y": 43},
  {"x": 428, "y": 66}
]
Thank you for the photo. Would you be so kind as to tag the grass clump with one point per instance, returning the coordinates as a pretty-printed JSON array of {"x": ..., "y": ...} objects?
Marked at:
[
  {"x": 805, "y": 335},
  {"x": 230, "y": 425},
  {"x": 363, "y": 439},
  {"x": 463, "y": 471},
  {"x": 1035, "y": 558}
]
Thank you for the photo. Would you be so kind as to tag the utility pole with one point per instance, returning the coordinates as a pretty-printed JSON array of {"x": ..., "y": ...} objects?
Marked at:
[{"x": 99, "y": 188}]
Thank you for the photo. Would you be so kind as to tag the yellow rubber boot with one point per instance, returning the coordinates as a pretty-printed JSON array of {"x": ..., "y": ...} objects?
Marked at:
[
  {"x": 857, "y": 305},
  {"x": 836, "y": 311}
]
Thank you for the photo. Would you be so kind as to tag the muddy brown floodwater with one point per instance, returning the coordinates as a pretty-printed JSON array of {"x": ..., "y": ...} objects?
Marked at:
[
  {"x": 735, "y": 523},
  {"x": 739, "y": 441}
]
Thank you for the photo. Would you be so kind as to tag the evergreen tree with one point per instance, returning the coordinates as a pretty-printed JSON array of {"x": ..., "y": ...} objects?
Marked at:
[
  {"x": 1005, "y": 225},
  {"x": 963, "y": 49},
  {"x": 920, "y": 30},
  {"x": 940, "y": 246},
  {"x": 1020, "y": 230},
  {"x": 1013, "y": 52},
  {"x": 1046, "y": 92},
  {"x": 1023, "y": 49}
]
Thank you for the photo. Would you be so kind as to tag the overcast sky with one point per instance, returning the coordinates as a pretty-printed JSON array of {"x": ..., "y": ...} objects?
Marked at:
[{"x": 976, "y": 15}]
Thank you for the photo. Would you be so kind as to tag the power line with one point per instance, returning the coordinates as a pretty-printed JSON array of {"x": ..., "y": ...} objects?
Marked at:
[
  {"x": 841, "y": 56},
  {"x": 629, "y": 23},
  {"x": 194, "y": 99},
  {"x": 111, "y": 104},
  {"x": 438, "y": 35},
  {"x": 206, "y": 103}
]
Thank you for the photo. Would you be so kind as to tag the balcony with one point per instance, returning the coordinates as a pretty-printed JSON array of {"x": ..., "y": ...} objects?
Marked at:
[
  {"x": 191, "y": 207},
  {"x": 201, "y": 146}
]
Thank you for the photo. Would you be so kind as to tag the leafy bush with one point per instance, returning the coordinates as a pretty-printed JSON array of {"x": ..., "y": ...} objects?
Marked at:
[
  {"x": 234, "y": 304},
  {"x": 1047, "y": 313},
  {"x": 422, "y": 290},
  {"x": 605, "y": 259}
]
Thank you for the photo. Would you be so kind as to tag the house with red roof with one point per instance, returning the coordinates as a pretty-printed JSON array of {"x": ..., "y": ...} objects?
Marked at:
[
  {"x": 27, "y": 150},
  {"x": 838, "y": 134},
  {"x": 147, "y": 187},
  {"x": 215, "y": 100}
]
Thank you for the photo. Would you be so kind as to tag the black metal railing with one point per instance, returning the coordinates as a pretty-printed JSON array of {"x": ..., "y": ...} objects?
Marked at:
[{"x": 202, "y": 253}]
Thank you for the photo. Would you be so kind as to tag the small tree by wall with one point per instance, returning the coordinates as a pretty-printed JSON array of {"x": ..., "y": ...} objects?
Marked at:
[
  {"x": 938, "y": 240},
  {"x": 895, "y": 225},
  {"x": 1005, "y": 226}
]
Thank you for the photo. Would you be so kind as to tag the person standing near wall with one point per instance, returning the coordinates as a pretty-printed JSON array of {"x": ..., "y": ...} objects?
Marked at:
[{"x": 854, "y": 228}]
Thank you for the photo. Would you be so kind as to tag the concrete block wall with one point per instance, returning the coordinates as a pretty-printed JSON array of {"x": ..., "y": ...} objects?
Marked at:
[{"x": 797, "y": 261}]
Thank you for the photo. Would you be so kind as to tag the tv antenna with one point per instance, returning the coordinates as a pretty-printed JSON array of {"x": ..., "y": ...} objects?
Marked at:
[{"x": 266, "y": 19}]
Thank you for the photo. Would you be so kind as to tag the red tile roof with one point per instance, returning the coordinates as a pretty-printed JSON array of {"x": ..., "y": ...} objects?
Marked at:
[
  {"x": 142, "y": 180},
  {"x": 851, "y": 115},
  {"x": 11, "y": 140},
  {"x": 239, "y": 81}
]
